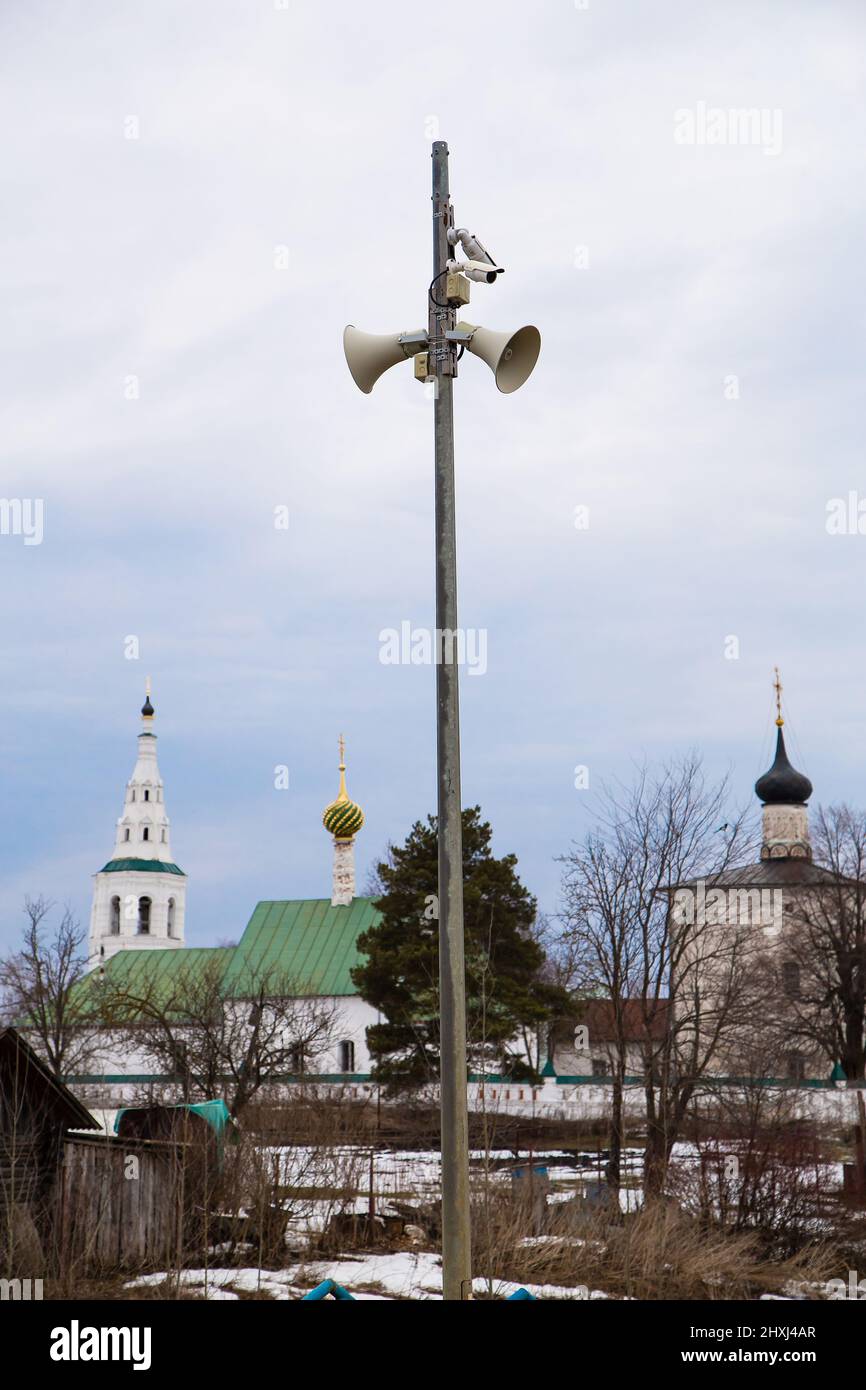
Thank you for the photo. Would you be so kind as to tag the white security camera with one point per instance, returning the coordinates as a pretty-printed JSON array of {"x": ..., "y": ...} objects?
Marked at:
[
  {"x": 485, "y": 272},
  {"x": 481, "y": 265}
]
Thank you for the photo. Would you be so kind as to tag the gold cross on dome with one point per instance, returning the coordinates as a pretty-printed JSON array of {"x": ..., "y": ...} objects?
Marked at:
[{"x": 777, "y": 685}]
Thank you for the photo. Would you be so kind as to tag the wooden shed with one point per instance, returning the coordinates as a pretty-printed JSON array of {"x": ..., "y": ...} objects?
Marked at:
[
  {"x": 73, "y": 1199},
  {"x": 37, "y": 1112}
]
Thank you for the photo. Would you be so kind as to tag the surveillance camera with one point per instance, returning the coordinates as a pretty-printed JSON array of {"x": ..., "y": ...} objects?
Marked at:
[
  {"x": 480, "y": 258},
  {"x": 485, "y": 272}
]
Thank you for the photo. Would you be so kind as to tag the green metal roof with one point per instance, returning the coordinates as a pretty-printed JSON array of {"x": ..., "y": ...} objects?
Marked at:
[
  {"x": 306, "y": 941},
  {"x": 162, "y": 970},
  {"x": 150, "y": 866}
]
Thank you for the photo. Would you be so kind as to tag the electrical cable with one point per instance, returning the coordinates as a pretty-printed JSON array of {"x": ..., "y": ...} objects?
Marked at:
[{"x": 431, "y": 296}]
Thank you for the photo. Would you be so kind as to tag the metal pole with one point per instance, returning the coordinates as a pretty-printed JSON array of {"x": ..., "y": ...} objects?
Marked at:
[{"x": 456, "y": 1256}]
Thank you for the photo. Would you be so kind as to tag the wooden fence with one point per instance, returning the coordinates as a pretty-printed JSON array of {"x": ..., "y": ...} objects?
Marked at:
[{"x": 120, "y": 1203}]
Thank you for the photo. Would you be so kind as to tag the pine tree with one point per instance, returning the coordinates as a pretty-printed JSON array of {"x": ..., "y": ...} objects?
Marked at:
[{"x": 507, "y": 996}]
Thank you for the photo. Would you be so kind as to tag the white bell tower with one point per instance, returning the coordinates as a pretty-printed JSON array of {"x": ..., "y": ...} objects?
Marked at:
[{"x": 139, "y": 897}]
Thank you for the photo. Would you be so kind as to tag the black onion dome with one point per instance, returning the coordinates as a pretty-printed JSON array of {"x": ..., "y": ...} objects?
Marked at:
[
  {"x": 147, "y": 707},
  {"x": 783, "y": 784}
]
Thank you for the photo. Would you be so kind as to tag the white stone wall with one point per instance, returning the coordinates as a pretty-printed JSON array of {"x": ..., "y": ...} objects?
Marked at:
[{"x": 354, "y": 1016}]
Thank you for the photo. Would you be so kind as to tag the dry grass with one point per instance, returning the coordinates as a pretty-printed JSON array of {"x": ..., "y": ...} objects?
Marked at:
[{"x": 656, "y": 1253}]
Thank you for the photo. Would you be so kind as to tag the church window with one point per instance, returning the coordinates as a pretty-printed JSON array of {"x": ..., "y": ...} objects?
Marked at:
[
  {"x": 146, "y": 794},
  {"x": 171, "y": 916},
  {"x": 132, "y": 794},
  {"x": 791, "y": 979},
  {"x": 144, "y": 916},
  {"x": 115, "y": 916},
  {"x": 347, "y": 1056},
  {"x": 126, "y": 833},
  {"x": 163, "y": 837},
  {"x": 145, "y": 834}
]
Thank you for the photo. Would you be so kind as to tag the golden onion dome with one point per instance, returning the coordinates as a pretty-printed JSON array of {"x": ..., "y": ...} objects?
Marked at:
[{"x": 343, "y": 818}]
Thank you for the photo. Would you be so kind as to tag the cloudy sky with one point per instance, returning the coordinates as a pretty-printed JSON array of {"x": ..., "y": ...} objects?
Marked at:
[{"x": 197, "y": 198}]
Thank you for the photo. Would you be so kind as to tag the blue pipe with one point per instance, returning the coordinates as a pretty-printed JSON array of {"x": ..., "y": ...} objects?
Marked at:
[{"x": 328, "y": 1286}]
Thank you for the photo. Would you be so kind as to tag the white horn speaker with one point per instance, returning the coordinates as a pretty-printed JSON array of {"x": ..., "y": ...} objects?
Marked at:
[
  {"x": 371, "y": 354},
  {"x": 510, "y": 356}
]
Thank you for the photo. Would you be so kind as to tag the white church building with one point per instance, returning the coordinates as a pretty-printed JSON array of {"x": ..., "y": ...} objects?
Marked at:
[{"x": 138, "y": 921}]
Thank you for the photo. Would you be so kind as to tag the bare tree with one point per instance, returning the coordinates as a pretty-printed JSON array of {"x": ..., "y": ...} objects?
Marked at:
[
  {"x": 756, "y": 1163},
  {"x": 218, "y": 1039},
  {"x": 665, "y": 830},
  {"x": 39, "y": 989},
  {"x": 822, "y": 971}
]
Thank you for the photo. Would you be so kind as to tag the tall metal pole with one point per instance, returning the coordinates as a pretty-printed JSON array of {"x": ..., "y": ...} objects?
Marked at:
[{"x": 456, "y": 1253}]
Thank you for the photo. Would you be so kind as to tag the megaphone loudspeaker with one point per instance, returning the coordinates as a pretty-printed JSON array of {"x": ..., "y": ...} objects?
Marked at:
[
  {"x": 510, "y": 356},
  {"x": 371, "y": 354}
]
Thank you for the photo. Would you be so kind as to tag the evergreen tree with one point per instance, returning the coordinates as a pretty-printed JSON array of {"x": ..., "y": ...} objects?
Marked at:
[{"x": 508, "y": 998}]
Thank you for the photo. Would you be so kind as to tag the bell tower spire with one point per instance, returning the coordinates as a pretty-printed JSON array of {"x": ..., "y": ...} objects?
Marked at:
[
  {"x": 784, "y": 792},
  {"x": 139, "y": 897},
  {"x": 343, "y": 819}
]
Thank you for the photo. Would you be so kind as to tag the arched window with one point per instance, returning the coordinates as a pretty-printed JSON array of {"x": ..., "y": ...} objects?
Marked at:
[
  {"x": 126, "y": 833},
  {"x": 146, "y": 794},
  {"x": 171, "y": 916},
  {"x": 791, "y": 979},
  {"x": 115, "y": 917},
  {"x": 144, "y": 916},
  {"x": 145, "y": 834}
]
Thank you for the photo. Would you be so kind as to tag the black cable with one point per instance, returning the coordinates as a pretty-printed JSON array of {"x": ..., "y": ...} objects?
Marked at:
[{"x": 430, "y": 294}]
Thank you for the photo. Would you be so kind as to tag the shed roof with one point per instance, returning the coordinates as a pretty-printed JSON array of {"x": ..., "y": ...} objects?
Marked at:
[{"x": 23, "y": 1073}]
